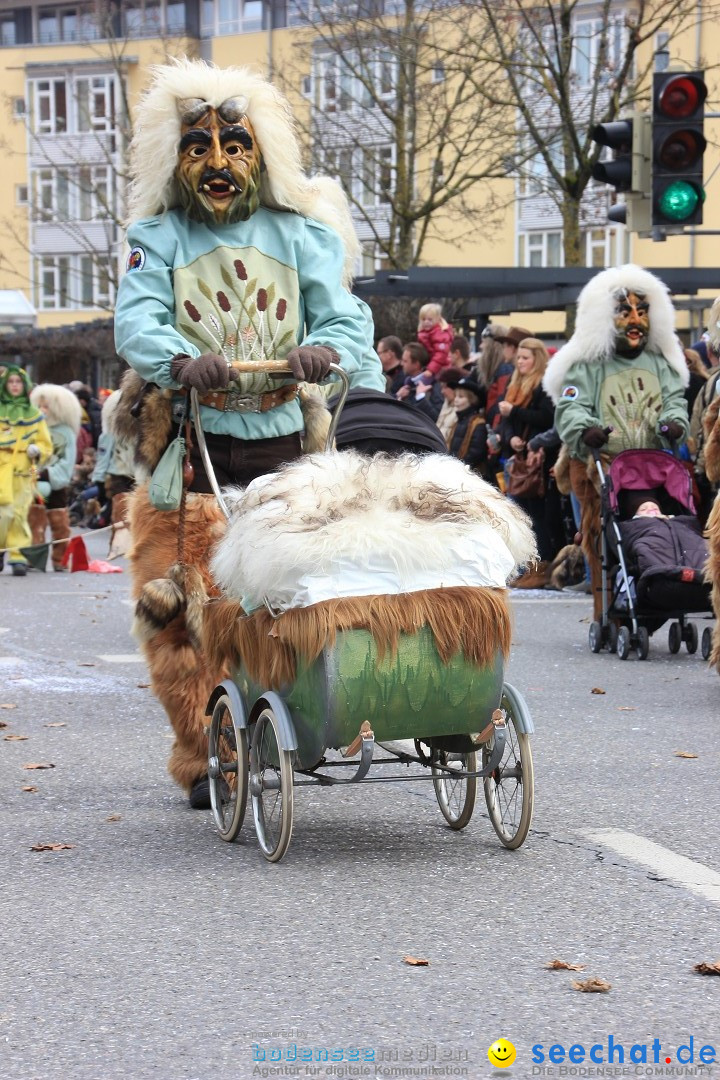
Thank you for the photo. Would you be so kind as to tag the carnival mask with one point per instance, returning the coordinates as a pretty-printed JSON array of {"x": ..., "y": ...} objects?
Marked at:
[
  {"x": 632, "y": 323},
  {"x": 219, "y": 163}
]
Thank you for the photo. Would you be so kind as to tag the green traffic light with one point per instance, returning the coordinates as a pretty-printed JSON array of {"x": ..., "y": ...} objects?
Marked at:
[{"x": 679, "y": 200}]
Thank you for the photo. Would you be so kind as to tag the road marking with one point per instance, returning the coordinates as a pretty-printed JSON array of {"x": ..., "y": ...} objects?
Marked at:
[
  {"x": 694, "y": 876},
  {"x": 122, "y": 658}
]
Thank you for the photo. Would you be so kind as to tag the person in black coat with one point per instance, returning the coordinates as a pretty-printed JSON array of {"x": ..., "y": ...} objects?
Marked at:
[{"x": 468, "y": 438}]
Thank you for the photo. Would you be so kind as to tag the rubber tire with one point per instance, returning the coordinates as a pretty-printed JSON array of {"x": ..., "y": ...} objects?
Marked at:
[
  {"x": 273, "y": 850},
  {"x": 623, "y": 645},
  {"x": 706, "y": 643},
  {"x": 515, "y": 706},
  {"x": 441, "y": 781},
  {"x": 228, "y": 828},
  {"x": 691, "y": 638},
  {"x": 595, "y": 640},
  {"x": 674, "y": 638},
  {"x": 643, "y": 643},
  {"x": 612, "y": 637}
]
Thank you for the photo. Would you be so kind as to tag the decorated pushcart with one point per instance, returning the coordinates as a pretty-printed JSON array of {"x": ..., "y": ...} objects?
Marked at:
[{"x": 355, "y": 659}]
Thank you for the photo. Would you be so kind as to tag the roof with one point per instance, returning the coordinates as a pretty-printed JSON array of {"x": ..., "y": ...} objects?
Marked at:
[{"x": 16, "y": 309}]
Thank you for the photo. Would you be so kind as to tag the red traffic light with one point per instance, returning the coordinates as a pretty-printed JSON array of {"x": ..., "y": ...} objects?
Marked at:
[{"x": 681, "y": 96}]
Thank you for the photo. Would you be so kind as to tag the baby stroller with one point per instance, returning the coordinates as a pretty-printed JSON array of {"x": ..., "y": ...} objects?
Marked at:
[{"x": 652, "y": 568}]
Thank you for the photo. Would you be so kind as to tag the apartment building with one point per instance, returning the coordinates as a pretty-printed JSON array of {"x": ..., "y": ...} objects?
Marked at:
[{"x": 69, "y": 74}]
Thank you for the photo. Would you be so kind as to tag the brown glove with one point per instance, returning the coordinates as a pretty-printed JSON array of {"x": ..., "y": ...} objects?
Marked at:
[
  {"x": 311, "y": 363},
  {"x": 594, "y": 437},
  {"x": 672, "y": 430},
  {"x": 203, "y": 373}
]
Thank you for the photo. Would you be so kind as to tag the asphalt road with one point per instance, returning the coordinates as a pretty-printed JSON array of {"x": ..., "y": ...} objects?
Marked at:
[{"x": 151, "y": 949}]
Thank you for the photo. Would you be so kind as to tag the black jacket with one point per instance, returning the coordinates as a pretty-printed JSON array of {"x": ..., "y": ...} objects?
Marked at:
[
  {"x": 476, "y": 453},
  {"x": 527, "y": 421}
]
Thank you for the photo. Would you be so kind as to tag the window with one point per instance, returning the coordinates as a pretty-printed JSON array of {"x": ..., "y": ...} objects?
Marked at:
[
  {"x": 51, "y": 200},
  {"x": 8, "y": 31},
  {"x": 72, "y": 22},
  {"x": 589, "y": 36},
  {"x": 220, "y": 17},
  {"x": 438, "y": 72},
  {"x": 662, "y": 51},
  {"x": 596, "y": 250},
  {"x": 95, "y": 101},
  {"x": 73, "y": 281},
  {"x": 95, "y": 194},
  {"x": 19, "y": 108},
  {"x": 142, "y": 18},
  {"x": 21, "y": 194},
  {"x": 51, "y": 110},
  {"x": 534, "y": 171},
  {"x": 540, "y": 249}
]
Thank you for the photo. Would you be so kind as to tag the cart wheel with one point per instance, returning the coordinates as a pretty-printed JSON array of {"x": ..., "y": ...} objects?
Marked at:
[
  {"x": 691, "y": 638},
  {"x": 623, "y": 642},
  {"x": 674, "y": 637},
  {"x": 706, "y": 643},
  {"x": 612, "y": 637},
  {"x": 227, "y": 769},
  {"x": 455, "y": 794},
  {"x": 595, "y": 637},
  {"x": 510, "y": 788},
  {"x": 271, "y": 787},
  {"x": 643, "y": 642}
]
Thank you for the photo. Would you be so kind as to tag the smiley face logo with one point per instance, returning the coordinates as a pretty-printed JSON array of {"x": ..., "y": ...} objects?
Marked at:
[{"x": 502, "y": 1053}]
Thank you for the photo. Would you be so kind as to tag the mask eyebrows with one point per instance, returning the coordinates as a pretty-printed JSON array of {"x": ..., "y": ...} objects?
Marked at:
[
  {"x": 237, "y": 133},
  {"x": 194, "y": 137}
]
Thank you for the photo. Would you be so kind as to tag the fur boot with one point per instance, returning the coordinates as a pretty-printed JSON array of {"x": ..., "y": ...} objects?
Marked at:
[
  {"x": 60, "y": 528},
  {"x": 168, "y": 619}
]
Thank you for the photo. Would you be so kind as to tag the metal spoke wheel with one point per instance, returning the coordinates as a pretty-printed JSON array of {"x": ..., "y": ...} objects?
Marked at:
[
  {"x": 595, "y": 640},
  {"x": 674, "y": 637},
  {"x": 706, "y": 643},
  {"x": 510, "y": 788},
  {"x": 623, "y": 642},
  {"x": 271, "y": 787},
  {"x": 643, "y": 642},
  {"x": 691, "y": 638},
  {"x": 227, "y": 769},
  {"x": 455, "y": 793}
]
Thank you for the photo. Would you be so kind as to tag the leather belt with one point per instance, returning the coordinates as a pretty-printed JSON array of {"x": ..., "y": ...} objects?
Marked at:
[{"x": 233, "y": 401}]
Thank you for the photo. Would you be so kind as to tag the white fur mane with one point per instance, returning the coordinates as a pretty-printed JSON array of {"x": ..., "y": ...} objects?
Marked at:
[
  {"x": 62, "y": 405},
  {"x": 284, "y": 185},
  {"x": 594, "y": 338},
  {"x": 343, "y": 506}
]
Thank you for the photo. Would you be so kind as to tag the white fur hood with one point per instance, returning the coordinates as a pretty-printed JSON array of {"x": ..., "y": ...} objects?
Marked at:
[
  {"x": 594, "y": 337},
  {"x": 62, "y": 405},
  {"x": 284, "y": 185},
  {"x": 341, "y": 515}
]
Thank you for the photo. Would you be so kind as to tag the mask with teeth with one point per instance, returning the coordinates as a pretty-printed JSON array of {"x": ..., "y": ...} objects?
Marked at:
[
  {"x": 219, "y": 163},
  {"x": 632, "y": 323}
]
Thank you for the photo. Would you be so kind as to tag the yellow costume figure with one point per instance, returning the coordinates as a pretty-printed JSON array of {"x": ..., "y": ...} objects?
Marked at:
[{"x": 25, "y": 444}]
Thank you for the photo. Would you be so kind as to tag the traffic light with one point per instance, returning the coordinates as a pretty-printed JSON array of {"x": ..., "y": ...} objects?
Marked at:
[
  {"x": 678, "y": 145},
  {"x": 629, "y": 171}
]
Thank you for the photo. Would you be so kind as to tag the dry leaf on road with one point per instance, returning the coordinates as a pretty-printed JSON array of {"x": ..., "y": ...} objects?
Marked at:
[
  {"x": 39, "y": 765},
  {"x": 7, "y": 706},
  {"x": 52, "y": 847},
  {"x": 16, "y": 738},
  {"x": 114, "y": 817},
  {"x": 685, "y": 754},
  {"x": 3, "y": 723},
  {"x": 562, "y": 965},
  {"x": 143, "y": 685},
  {"x": 56, "y": 723},
  {"x": 597, "y": 690},
  {"x": 708, "y": 969},
  {"x": 415, "y": 961},
  {"x": 592, "y": 986},
  {"x": 627, "y": 708},
  {"x": 86, "y": 663},
  {"x": 28, "y": 787}
]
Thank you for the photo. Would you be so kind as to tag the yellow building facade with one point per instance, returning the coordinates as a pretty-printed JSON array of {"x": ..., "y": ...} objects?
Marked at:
[{"x": 69, "y": 77}]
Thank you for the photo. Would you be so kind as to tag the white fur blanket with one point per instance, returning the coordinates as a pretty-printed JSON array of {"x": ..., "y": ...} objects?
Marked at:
[{"x": 341, "y": 524}]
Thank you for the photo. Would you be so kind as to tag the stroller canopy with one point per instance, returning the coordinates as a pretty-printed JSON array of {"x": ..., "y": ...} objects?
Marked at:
[{"x": 651, "y": 471}]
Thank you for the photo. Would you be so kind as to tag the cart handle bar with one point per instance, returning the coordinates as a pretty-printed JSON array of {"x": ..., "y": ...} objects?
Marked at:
[{"x": 276, "y": 368}]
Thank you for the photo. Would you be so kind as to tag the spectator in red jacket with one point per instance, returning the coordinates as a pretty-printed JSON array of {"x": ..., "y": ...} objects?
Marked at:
[{"x": 436, "y": 335}]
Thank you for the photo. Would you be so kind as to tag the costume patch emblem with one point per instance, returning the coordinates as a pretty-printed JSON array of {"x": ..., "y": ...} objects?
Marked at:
[
  {"x": 570, "y": 392},
  {"x": 136, "y": 259}
]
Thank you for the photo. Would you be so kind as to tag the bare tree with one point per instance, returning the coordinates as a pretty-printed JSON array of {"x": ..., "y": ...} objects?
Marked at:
[
  {"x": 568, "y": 68},
  {"x": 393, "y": 111}
]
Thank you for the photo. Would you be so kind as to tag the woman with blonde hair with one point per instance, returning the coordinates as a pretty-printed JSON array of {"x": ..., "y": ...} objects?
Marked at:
[{"x": 526, "y": 411}]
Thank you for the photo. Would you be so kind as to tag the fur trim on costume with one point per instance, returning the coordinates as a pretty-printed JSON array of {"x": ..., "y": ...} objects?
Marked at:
[
  {"x": 342, "y": 505},
  {"x": 316, "y": 418},
  {"x": 714, "y": 325},
  {"x": 473, "y": 621},
  {"x": 567, "y": 568},
  {"x": 150, "y": 431},
  {"x": 711, "y": 449},
  {"x": 712, "y": 574},
  {"x": 62, "y": 405},
  {"x": 594, "y": 338},
  {"x": 283, "y": 185}
]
